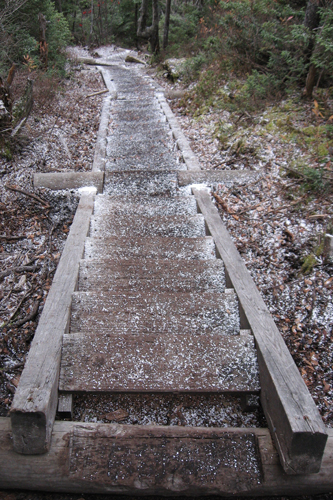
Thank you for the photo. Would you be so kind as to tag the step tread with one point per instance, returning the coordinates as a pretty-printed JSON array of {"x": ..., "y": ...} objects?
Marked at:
[
  {"x": 202, "y": 313},
  {"x": 146, "y": 274},
  {"x": 138, "y": 225},
  {"x": 151, "y": 247},
  {"x": 158, "y": 363},
  {"x": 147, "y": 205},
  {"x": 151, "y": 183}
]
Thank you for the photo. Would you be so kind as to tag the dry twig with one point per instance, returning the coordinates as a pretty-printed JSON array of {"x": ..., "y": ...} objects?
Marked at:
[{"x": 30, "y": 195}]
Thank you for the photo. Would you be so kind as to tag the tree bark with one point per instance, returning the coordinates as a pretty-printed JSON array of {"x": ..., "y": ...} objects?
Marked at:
[
  {"x": 166, "y": 24},
  {"x": 311, "y": 21},
  {"x": 149, "y": 33},
  {"x": 43, "y": 48}
]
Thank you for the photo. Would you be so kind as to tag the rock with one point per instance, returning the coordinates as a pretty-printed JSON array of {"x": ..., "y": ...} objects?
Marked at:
[
  {"x": 174, "y": 67},
  {"x": 132, "y": 59}
]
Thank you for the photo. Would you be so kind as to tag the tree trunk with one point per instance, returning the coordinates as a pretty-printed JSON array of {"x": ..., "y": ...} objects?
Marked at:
[
  {"x": 166, "y": 24},
  {"x": 136, "y": 15},
  {"x": 142, "y": 23},
  {"x": 90, "y": 41},
  {"x": 149, "y": 33},
  {"x": 311, "y": 21},
  {"x": 154, "y": 39},
  {"x": 43, "y": 48}
]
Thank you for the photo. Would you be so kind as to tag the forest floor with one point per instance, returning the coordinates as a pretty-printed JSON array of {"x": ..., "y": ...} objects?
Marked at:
[{"x": 278, "y": 223}]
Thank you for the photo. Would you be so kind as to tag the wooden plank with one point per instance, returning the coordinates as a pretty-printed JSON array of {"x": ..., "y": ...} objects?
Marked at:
[
  {"x": 158, "y": 363},
  {"x": 202, "y": 313},
  {"x": 150, "y": 248},
  {"x": 183, "y": 226},
  {"x": 151, "y": 183},
  {"x": 216, "y": 176},
  {"x": 69, "y": 180},
  {"x": 112, "y": 206},
  {"x": 35, "y": 401},
  {"x": 60, "y": 471},
  {"x": 293, "y": 418},
  {"x": 159, "y": 275},
  {"x": 65, "y": 405},
  {"x": 189, "y": 157}
]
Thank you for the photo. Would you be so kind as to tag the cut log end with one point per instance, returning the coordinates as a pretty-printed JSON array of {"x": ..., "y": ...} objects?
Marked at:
[{"x": 31, "y": 434}]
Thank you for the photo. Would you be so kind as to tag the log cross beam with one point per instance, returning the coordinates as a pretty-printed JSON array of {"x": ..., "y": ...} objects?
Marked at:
[{"x": 294, "y": 421}]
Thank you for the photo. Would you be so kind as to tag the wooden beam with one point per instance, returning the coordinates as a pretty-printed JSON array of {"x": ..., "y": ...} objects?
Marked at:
[
  {"x": 107, "y": 458},
  {"x": 210, "y": 177},
  {"x": 292, "y": 416},
  {"x": 35, "y": 401},
  {"x": 69, "y": 180}
]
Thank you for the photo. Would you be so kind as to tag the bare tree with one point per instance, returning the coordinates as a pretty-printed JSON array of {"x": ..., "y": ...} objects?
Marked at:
[
  {"x": 149, "y": 33},
  {"x": 311, "y": 22},
  {"x": 166, "y": 24}
]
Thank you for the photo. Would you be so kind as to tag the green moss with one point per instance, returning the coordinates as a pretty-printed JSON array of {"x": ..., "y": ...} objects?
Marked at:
[
  {"x": 310, "y": 131},
  {"x": 322, "y": 150},
  {"x": 309, "y": 263}
]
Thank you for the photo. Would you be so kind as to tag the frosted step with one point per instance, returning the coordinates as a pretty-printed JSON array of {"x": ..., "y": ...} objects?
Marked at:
[
  {"x": 113, "y": 206},
  {"x": 150, "y": 248},
  {"x": 158, "y": 363},
  {"x": 200, "y": 313},
  {"x": 151, "y": 183},
  {"x": 186, "y": 226},
  {"x": 151, "y": 275}
]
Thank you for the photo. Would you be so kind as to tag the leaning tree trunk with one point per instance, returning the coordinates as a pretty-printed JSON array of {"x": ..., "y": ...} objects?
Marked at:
[
  {"x": 166, "y": 24},
  {"x": 311, "y": 21}
]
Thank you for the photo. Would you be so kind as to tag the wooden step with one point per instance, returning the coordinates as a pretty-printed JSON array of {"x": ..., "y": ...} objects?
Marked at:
[
  {"x": 145, "y": 275},
  {"x": 149, "y": 206},
  {"x": 151, "y": 183},
  {"x": 153, "y": 160},
  {"x": 158, "y": 363},
  {"x": 106, "y": 312},
  {"x": 151, "y": 248},
  {"x": 185, "y": 226}
]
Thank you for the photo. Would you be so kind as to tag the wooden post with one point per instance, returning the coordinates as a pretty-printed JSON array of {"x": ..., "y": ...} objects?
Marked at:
[
  {"x": 292, "y": 416},
  {"x": 35, "y": 401}
]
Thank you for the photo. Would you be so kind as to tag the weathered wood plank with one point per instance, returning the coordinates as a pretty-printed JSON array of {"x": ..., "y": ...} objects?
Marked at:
[
  {"x": 150, "y": 248},
  {"x": 162, "y": 275},
  {"x": 60, "y": 471},
  {"x": 183, "y": 226},
  {"x": 158, "y": 363},
  {"x": 189, "y": 157},
  {"x": 113, "y": 206},
  {"x": 69, "y": 180},
  {"x": 202, "y": 313},
  {"x": 65, "y": 405},
  {"x": 216, "y": 176},
  {"x": 151, "y": 183},
  {"x": 35, "y": 401},
  {"x": 292, "y": 415}
]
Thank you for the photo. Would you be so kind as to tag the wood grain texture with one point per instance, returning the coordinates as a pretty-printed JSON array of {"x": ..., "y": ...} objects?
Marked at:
[
  {"x": 216, "y": 176},
  {"x": 200, "y": 313},
  {"x": 69, "y": 180},
  {"x": 189, "y": 157},
  {"x": 159, "y": 275},
  {"x": 292, "y": 415},
  {"x": 60, "y": 470},
  {"x": 35, "y": 401},
  {"x": 158, "y": 363},
  {"x": 150, "y": 247}
]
